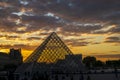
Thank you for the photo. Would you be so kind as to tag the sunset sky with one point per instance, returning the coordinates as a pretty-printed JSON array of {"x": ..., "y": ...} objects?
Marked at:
[{"x": 90, "y": 27}]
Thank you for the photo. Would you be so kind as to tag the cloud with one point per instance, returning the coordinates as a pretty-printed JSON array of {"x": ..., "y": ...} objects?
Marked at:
[
  {"x": 112, "y": 40},
  {"x": 115, "y": 29},
  {"x": 63, "y": 12},
  {"x": 9, "y": 37},
  {"x": 78, "y": 42},
  {"x": 108, "y": 56},
  {"x": 34, "y": 38},
  {"x": 81, "y": 29},
  {"x": 41, "y": 20},
  {"x": 108, "y": 29},
  {"x": 66, "y": 17},
  {"x": 23, "y": 46}
]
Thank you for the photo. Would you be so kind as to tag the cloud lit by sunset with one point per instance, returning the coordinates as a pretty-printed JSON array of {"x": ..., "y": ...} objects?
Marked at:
[{"x": 90, "y": 27}]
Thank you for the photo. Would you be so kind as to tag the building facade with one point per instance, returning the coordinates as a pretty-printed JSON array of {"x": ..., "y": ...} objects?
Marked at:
[{"x": 13, "y": 57}]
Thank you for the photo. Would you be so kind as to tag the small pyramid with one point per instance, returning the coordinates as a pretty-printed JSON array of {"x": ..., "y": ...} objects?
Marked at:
[{"x": 51, "y": 50}]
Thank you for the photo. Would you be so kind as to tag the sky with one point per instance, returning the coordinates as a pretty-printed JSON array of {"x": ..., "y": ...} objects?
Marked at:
[{"x": 90, "y": 27}]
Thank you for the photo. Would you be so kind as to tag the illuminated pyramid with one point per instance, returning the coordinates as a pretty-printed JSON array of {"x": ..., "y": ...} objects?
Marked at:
[{"x": 51, "y": 50}]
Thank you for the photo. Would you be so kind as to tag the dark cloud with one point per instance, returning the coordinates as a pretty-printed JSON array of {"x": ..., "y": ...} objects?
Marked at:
[
  {"x": 112, "y": 30},
  {"x": 96, "y": 43},
  {"x": 82, "y": 29},
  {"x": 34, "y": 38},
  {"x": 76, "y": 8},
  {"x": 12, "y": 37},
  {"x": 79, "y": 43},
  {"x": 113, "y": 16},
  {"x": 8, "y": 37},
  {"x": 41, "y": 21},
  {"x": 113, "y": 40},
  {"x": 64, "y": 12},
  {"x": 8, "y": 26},
  {"x": 108, "y": 56},
  {"x": 74, "y": 42},
  {"x": 115, "y": 29},
  {"x": 23, "y": 46}
]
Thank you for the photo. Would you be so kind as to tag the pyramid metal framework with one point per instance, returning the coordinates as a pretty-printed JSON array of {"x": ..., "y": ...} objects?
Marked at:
[{"x": 51, "y": 50}]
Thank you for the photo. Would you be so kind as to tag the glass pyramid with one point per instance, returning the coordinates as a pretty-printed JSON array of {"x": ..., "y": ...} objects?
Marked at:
[{"x": 51, "y": 50}]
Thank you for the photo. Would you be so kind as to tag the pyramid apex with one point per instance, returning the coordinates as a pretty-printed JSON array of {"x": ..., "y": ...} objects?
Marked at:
[{"x": 53, "y": 33}]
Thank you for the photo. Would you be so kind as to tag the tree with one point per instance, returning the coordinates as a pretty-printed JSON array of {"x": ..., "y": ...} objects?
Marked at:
[
  {"x": 99, "y": 63},
  {"x": 89, "y": 61},
  {"x": 113, "y": 63}
]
